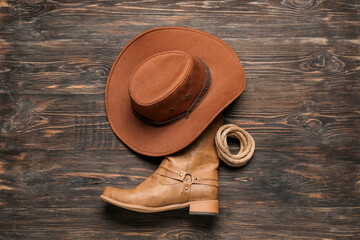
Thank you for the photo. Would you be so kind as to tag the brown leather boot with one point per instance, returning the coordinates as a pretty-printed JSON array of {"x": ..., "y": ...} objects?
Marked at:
[{"x": 187, "y": 179}]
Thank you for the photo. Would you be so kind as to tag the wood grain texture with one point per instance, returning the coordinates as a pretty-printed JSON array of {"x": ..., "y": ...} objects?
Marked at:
[{"x": 301, "y": 104}]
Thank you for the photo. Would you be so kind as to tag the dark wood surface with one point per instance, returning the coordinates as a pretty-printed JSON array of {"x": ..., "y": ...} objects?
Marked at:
[{"x": 301, "y": 104}]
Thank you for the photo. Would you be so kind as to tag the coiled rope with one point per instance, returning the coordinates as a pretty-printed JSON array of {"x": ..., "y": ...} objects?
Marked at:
[{"x": 247, "y": 145}]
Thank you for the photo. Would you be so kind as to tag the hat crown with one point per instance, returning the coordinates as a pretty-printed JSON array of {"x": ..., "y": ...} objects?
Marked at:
[{"x": 165, "y": 85}]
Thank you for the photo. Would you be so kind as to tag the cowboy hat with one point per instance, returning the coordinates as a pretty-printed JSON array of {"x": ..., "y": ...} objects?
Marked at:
[{"x": 167, "y": 85}]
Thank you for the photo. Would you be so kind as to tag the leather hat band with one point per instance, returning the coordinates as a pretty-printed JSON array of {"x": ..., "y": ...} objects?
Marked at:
[{"x": 205, "y": 88}]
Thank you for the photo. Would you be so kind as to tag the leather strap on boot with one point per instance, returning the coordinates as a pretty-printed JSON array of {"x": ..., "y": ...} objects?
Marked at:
[{"x": 168, "y": 169}]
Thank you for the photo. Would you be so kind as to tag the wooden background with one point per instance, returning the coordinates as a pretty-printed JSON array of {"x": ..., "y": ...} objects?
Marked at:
[{"x": 301, "y": 104}]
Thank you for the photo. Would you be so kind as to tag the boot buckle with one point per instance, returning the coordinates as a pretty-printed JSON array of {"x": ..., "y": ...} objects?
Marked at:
[{"x": 185, "y": 178}]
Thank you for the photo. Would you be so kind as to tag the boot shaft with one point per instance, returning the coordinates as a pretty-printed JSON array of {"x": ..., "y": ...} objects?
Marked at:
[{"x": 201, "y": 154}]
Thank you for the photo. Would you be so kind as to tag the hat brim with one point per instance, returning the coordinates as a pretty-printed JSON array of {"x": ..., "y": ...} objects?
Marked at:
[{"x": 227, "y": 83}]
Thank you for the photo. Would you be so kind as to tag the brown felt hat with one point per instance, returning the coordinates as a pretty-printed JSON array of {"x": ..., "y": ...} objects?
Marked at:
[{"x": 167, "y": 85}]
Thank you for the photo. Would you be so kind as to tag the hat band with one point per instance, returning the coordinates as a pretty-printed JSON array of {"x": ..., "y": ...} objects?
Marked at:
[{"x": 205, "y": 88}]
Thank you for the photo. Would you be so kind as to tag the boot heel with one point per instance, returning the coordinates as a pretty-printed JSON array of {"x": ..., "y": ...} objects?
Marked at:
[{"x": 208, "y": 207}]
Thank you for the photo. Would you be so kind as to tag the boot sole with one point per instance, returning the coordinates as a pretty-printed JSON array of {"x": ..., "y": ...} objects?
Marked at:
[{"x": 207, "y": 207}]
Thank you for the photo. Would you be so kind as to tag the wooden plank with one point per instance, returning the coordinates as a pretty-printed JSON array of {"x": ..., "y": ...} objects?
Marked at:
[
  {"x": 300, "y": 63},
  {"x": 109, "y": 222},
  {"x": 249, "y": 19},
  {"x": 323, "y": 122},
  {"x": 272, "y": 178}
]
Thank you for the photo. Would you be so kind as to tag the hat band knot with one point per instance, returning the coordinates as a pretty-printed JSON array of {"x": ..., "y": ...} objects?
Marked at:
[{"x": 205, "y": 88}]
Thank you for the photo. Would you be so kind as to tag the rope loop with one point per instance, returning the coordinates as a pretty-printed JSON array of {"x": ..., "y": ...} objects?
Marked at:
[{"x": 247, "y": 145}]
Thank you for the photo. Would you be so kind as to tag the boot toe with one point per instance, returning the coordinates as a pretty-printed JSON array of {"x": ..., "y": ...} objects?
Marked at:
[
  {"x": 121, "y": 195},
  {"x": 113, "y": 193}
]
